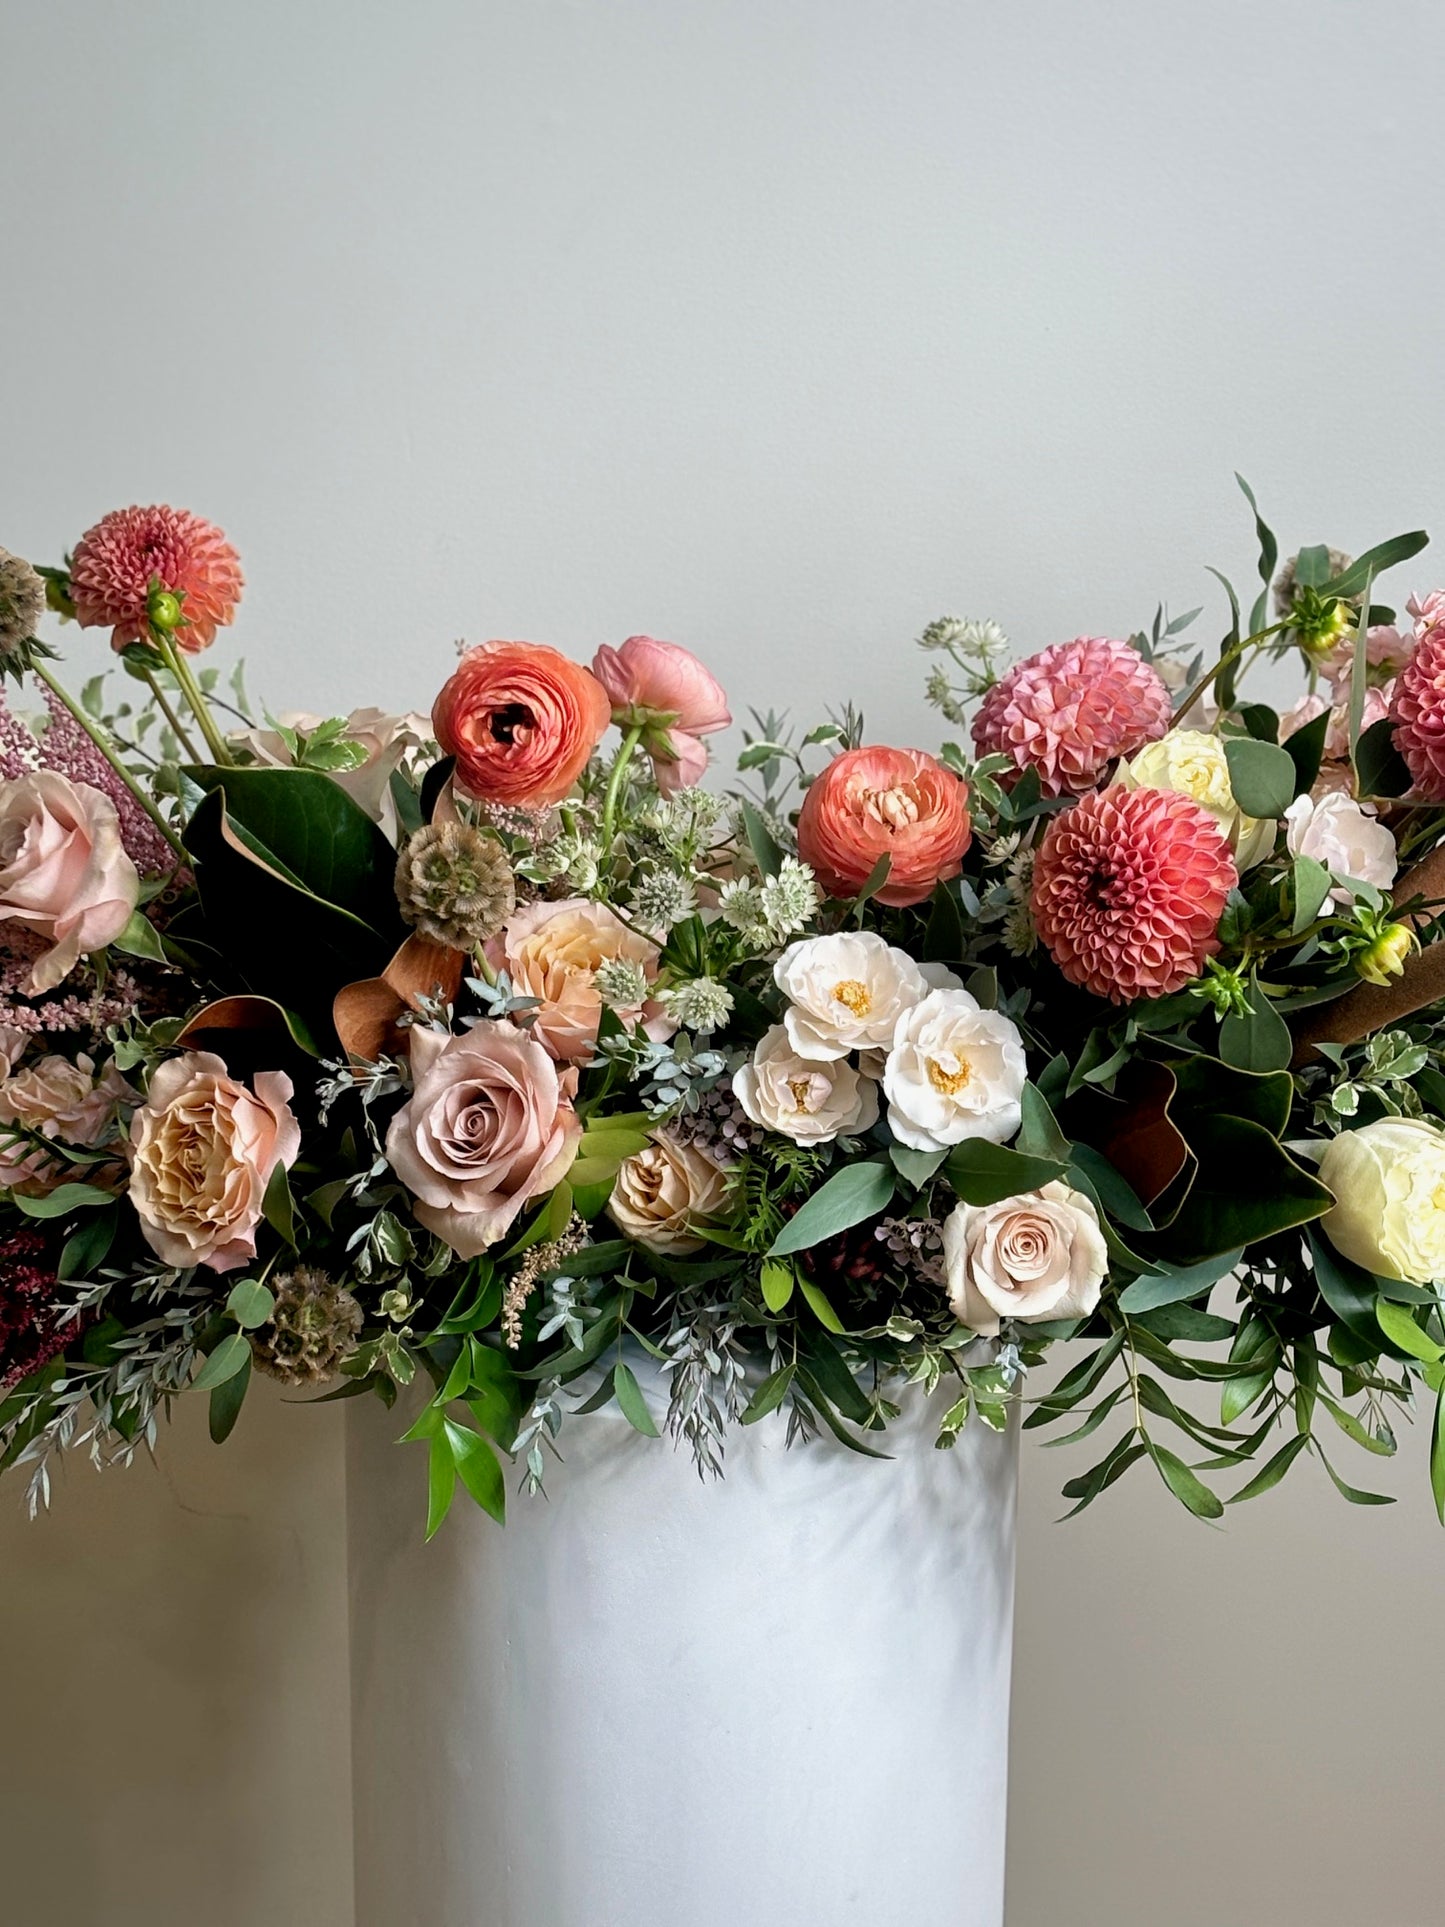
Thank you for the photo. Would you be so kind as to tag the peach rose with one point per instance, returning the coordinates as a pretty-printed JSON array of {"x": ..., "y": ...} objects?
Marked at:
[
  {"x": 203, "y": 1150},
  {"x": 489, "y": 1126},
  {"x": 899, "y": 803},
  {"x": 552, "y": 951},
  {"x": 665, "y": 691},
  {"x": 521, "y": 720},
  {"x": 58, "y": 1098},
  {"x": 663, "y": 1192},
  {"x": 64, "y": 873}
]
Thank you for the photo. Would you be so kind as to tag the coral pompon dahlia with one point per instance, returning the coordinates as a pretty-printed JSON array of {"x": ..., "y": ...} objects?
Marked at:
[
  {"x": 1128, "y": 890},
  {"x": 1072, "y": 710},
  {"x": 130, "y": 551},
  {"x": 1419, "y": 711}
]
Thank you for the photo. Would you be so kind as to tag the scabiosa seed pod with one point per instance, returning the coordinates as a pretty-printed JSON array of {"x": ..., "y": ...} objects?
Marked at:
[
  {"x": 314, "y": 1327},
  {"x": 22, "y": 599},
  {"x": 1286, "y": 583},
  {"x": 454, "y": 884}
]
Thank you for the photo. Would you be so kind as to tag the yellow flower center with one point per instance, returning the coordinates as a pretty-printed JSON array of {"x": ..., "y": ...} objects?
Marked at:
[
  {"x": 802, "y": 1088},
  {"x": 950, "y": 1083},
  {"x": 854, "y": 995}
]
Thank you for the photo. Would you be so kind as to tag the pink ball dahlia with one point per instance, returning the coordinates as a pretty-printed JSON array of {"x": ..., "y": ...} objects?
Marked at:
[
  {"x": 1073, "y": 709},
  {"x": 1419, "y": 711},
  {"x": 1128, "y": 889},
  {"x": 116, "y": 562}
]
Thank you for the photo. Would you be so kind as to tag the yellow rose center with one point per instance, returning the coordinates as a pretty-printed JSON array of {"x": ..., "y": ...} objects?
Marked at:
[
  {"x": 950, "y": 1083},
  {"x": 801, "y": 1087},
  {"x": 854, "y": 995}
]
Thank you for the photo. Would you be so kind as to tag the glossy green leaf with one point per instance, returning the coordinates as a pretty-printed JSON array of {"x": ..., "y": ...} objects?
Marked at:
[
  {"x": 478, "y": 1468},
  {"x": 1257, "y": 1039},
  {"x": 944, "y": 939},
  {"x": 769, "y": 1395},
  {"x": 1189, "y": 1490},
  {"x": 1379, "y": 766},
  {"x": 629, "y": 1398},
  {"x": 60, "y": 1202},
  {"x": 1311, "y": 884},
  {"x": 1039, "y": 1134},
  {"x": 1399, "y": 1326},
  {"x": 984, "y": 1173},
  {"x": 1385, "y": 555},
  {"x": 820, "y": 1305},
  {"x": 279, "y": 1210},
  {"x": 1170, "y": 1285},
  {"x": 915, "y": 1167},
  {"x": 232, "y": 1355},
  {"x": 250, "y": 1303},
  {"x": 87, "y": 1248},
  {"x": 441, "y": 1481},
  {"x": 494, "y": 1397},
  {"x": 1270, "y": 1474},
  {"x": 226, "y": 1402},
  {"x": 777, "y": 1285},
  {"x": 1437, "y": 1458},
  {"x": 1247, "y": 1187},
  {"x": 767, "y": 852},
  {"x": 850, "y": 1196},
  {"x": 140, "y": 938}
]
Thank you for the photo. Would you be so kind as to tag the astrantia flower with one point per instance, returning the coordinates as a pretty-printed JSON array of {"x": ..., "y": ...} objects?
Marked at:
[
  {"x": 1419, "y": 712},
  {"x": 22, "y": 598},
  {"x": 1128, "y": 889},
  {"x": 129, "y": 551},
  {"x": 1072, "y": 710}
]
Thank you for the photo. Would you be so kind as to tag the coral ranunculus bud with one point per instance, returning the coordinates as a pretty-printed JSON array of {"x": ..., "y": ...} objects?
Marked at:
[
  {"x": 521, "y": 720},
  {"x": 898, "y": 803}
]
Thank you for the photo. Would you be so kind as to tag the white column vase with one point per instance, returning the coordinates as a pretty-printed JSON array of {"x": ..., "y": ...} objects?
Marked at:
[{"x": 781, "y": 1699}]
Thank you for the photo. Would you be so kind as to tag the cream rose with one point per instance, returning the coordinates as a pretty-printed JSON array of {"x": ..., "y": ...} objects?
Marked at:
[
  {"x": 552, "y": 951},
  {"x": 811, "y": 1100},
  {"x": 1389, "y": 1184},
  {"x": 58, "y": 1098},
  {"x": 1345, "y": 837},
  {"x": 488, "y": 1127},
  {"x": 203, "y": 1150},
  {"x": 1193, "y": 762},
  {"x": 662, "y": 1192},
  {"x": 1040, "y": 1255},
  {"x": 955, "y": 1070},
  {"x": 845, "y": 992},
  {"x": 64, "y": 873}
]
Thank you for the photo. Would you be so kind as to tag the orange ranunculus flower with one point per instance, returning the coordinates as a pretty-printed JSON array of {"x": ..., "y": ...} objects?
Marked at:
[
  {"x": 899, "y": 803},
  {"x": 521, "y": 720}
]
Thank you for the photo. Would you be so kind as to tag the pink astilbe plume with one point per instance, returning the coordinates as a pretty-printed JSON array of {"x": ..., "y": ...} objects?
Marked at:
[
  {"x": 66, "y": 747},
  {"x": 1128, "y": 890},
  {"x": 116, "y": 562},
  {"x": 30, "y": 1330},
  {"x": 1072, "y": 710}
]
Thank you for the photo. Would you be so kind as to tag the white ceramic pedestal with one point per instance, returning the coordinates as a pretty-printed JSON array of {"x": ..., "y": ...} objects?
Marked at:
[{"x": 780, "y": 1700}]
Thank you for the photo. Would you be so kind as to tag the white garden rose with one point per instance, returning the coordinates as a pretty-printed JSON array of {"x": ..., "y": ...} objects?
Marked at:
[
  {"x": 811, "y": 1100},
  {"x": 1039, "y": 1255},
  {"x": 1193, "y": 762},
  {"x": 955, "y": 1071},
  {"x": 845, "y": 992},
  {"x": 1345, "y": 837},
  {"x": 663, "y": 1192},
  {"x": 1389, "y": 1184}
]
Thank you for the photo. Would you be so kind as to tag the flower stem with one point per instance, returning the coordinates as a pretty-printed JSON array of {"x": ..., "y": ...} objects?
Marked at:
[
  {"x": 107, "y": 749},
  {"x": 1231, "y": 655},
  {"x": 614, "y": 784},
  {"x": 178, "y": 728},
  {"x": 191, "y": 690}
]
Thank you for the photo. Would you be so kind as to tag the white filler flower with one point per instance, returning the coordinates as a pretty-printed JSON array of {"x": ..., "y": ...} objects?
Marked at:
[
  {"x": 810, "y": 1100},
  {"x": 955, "y": 1070}
]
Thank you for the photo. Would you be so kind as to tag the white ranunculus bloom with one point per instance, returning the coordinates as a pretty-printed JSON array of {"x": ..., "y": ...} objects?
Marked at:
[
  {"x": 1193, "y": 762},
  {"x": 1039, "y": 1255},
  {"x": 845, "y": 992},
  {"x": 1345, "y": 837},
  {"x": 811, "y": 1100},
  {"x": 955, "y": 1071},
  {"x": 1389, "y": 1184}
]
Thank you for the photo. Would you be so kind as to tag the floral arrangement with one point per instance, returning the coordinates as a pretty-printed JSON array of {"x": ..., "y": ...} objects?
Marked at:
[{"x": 478, "y": 1056}]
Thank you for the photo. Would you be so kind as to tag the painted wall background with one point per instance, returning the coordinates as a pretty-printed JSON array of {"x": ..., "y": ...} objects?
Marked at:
[{"x": 778, "y": 330}]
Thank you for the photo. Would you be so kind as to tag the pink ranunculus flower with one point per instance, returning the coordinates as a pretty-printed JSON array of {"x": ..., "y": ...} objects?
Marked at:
[
  {"x": 874, "y": 802},
  {"x": 664, "y": 689},
  {"x": 553, "y": 951},
  {"x": 64, "y": 873},
  {"x": 203, "y": 1150},
  {"x": 488, "y": 1127}
]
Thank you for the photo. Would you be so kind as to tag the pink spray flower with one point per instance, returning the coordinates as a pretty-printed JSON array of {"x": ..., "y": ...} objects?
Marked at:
[
  {"x": 664, "y": 690},
  {"x": 1072, "y": 710},
  {"x": 1419, "y": 711},
  {"x": 128, "y": 551}
]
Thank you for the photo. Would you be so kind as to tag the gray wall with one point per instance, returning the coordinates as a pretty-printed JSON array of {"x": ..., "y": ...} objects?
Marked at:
[{"x": 778, "y": 330}]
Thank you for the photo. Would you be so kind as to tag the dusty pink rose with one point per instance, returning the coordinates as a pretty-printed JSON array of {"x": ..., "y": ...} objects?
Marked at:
[
  {"x": 553, "y": 951},
  {"x": 489, "y": 1126},
  {"x": 117, "y": 561},
  {"x": 665, "y": 691},
  {"x": 64, "y": 873},
  {"x": 60, "y": 1098},
  {"x": 203, "y": 1150},
  {"x": 1072, "y": 710},
  {"x": 898, "y": 803}
]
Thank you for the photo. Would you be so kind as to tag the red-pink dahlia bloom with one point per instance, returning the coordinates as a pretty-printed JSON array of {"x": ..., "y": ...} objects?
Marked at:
[
  {"x": 116, "y": 562},
  {"x": 1073, "y": 709},
  {"x": 1128, "y": 889},
  {"x": 1419, "y": 712}
]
